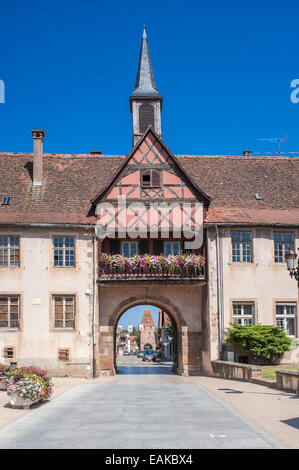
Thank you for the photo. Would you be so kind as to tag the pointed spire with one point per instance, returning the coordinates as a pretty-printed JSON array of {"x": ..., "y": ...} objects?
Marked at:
[{"x": 145, "y": 82}]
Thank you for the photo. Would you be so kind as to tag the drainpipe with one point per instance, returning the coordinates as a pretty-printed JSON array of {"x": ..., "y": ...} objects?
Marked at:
[
  {"x": 94, "y": 306},
  {"x": 219, "y": 292}
]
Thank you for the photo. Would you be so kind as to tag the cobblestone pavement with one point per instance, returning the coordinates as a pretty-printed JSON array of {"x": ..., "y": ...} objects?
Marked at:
[{"x": 145, "y": 406}]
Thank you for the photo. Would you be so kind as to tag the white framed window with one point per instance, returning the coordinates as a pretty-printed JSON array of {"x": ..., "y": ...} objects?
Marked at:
[
  {"x": 283, "y": 242},
  {"x": 9, "y": 251},
  {"x": 64, "y": 251},
  {"x": 129, "y": 249},
  {"x": 286, "y": 317},
  {"x": 172, "y": 248},
  {"x": 64, "y": 312},
  {"x": 243, "y": 313},
  {"x": 241, "y": 246},
  {"x": 10, "y": 312}
]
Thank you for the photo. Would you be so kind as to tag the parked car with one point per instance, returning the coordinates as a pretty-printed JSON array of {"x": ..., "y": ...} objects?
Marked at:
[
  {"x": 126, "y": 353},
  {"x": 140, "y": 353},
  {"x": 131, "y": 353},
  {"x": 149, "y": 355}
]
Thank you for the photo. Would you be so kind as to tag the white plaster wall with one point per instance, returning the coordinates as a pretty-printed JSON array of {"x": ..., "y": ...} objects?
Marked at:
[
  {"x": 37, "y": 342},
  {"x": 261, "y": 281}
]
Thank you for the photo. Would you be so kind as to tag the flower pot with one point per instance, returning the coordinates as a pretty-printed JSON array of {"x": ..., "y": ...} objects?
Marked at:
[{"x": 17, "y": 402}]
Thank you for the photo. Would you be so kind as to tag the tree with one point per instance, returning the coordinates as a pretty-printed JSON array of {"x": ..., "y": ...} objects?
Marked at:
[
  {"x": 262, "y": 341},
  {"x": 136, "y": 333}
]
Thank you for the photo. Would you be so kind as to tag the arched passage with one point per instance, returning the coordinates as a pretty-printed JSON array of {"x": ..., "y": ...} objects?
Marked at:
[
  {"x": 106, "y": 359},
  {"x": 158, "y": 333}
]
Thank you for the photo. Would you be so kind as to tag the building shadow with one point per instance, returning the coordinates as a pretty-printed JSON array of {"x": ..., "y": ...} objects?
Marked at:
[
  {"x": 294, "y": 422},
  {"x": 153, "y": 369}
]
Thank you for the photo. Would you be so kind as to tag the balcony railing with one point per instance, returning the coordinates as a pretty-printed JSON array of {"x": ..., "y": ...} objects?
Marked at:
[{"x": 171, "y": 271}]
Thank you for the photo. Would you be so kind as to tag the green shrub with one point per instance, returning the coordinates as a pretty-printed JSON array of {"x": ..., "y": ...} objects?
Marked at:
[{"x": 262, "y": 341}]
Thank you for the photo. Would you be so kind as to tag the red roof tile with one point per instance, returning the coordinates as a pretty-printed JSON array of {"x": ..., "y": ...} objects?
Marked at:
[{"x": 70, "y": 181}]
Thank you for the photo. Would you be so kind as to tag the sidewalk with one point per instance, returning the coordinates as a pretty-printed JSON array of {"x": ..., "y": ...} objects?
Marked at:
[
  {"x": 61, "y": 385},
  {"x": 274, "y": 411}
]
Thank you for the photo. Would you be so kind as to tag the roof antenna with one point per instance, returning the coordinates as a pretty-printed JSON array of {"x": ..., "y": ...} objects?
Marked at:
[{"x": 278, "y": 140}]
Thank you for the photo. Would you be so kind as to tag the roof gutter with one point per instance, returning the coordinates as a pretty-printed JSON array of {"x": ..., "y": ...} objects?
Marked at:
[
  {"x": 246, "y": 224},
  {"x": 47, "y": 225}
]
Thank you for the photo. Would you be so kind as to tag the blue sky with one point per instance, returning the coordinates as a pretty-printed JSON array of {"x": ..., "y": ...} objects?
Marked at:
[
  {"x": 224, "y": 69},
  {"x": 134, "y": 315}
]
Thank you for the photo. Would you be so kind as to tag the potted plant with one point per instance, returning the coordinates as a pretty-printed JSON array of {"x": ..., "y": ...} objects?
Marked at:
[
  {"x": 6, "y": 376},
  {"x": 29, "y": 385}
]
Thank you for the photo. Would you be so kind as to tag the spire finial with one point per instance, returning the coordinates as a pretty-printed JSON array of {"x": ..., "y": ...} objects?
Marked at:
[{"x": 145, "y": 80}]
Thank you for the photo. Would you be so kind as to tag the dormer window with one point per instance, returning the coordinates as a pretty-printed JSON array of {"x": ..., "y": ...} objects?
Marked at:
[{"x": 150, "y": 179}]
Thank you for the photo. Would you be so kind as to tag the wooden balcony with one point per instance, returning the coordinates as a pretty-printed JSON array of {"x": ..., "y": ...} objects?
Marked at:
[{"x": 149, "y": 273}]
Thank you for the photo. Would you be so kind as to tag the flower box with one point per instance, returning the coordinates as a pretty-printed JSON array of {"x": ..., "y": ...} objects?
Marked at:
[
  {"x": 17, "y": 402},
  {"x": 151, "y": 266}
]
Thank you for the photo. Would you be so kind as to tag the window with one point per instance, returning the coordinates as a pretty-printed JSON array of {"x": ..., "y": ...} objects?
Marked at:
[
  {"x": 64, "y": 312},
  {"x": 283, "y": 241},
  {"x": 150, "y": 179},
  {"x": 286, "y": 314},
  {"x": 241, "y": 247},
  {"x": 172, "y": 248},
  {"x": 129, "y": 249},
  {"x": 10, "y": 312},
  {"x": 243, "y": 313},
  {"x": 9, "y": 251},
  {"x": 64, "y": 251}
]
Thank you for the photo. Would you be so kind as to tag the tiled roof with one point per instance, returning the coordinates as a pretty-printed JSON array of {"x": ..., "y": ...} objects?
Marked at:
[
  {"x": 70, "y": 181},
  {"x": 232, "y": 181},
  {"x": 147, "y": 319}
]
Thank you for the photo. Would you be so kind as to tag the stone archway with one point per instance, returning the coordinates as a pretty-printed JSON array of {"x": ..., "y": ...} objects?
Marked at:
[{"x": 106, "y": 359}]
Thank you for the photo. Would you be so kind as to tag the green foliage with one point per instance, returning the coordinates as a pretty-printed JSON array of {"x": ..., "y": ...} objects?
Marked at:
[
  {"x": 136, "y": 333},
  {"x": 170, "y": 331},
  {"x": 262, "y": 341}
]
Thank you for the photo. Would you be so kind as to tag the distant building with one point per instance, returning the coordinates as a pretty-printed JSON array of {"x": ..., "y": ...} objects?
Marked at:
[
  {"x": 148, "y": 333},
  {"x": 164, "y": 339}
]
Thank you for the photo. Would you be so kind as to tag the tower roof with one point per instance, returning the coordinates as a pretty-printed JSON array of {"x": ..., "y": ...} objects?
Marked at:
[
  {"x": 145, "y": 86},
  {"x": 147, "y": 319}
]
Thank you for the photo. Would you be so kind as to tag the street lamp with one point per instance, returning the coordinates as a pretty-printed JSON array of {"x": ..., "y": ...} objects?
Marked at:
[{"x": 291, "y": 258}]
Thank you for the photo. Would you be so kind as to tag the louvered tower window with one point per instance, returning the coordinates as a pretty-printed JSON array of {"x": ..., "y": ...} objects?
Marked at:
[{"x": 146, "y": 117}]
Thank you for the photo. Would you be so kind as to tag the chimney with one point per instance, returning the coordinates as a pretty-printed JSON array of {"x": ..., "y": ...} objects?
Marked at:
[
  {"x": 38, "y": 137},
  {"x": 247, "y": 153}
]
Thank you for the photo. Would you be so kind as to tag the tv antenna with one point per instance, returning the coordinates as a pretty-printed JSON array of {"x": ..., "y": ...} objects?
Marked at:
[{"x": 278, "y": 140}]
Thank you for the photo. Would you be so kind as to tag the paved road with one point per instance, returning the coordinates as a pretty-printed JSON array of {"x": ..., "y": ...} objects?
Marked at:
[{"x": 145, "y": 406}]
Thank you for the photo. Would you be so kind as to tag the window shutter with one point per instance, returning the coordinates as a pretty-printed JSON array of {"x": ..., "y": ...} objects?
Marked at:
[
  {"x": 158, "y": 247},
  {"x": 114, "y": 247},
  {"x": 146, "y": 117},
  {"x": 156, "y": 178},
  {"x": 143, "y": 247}
]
